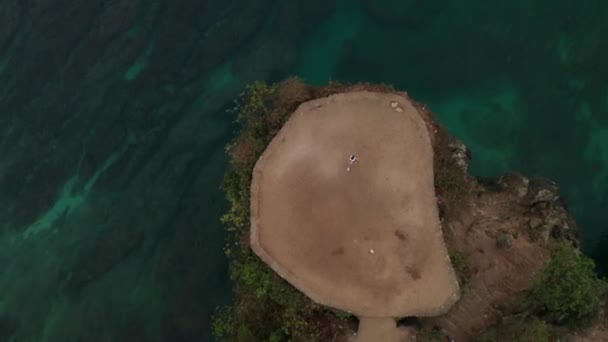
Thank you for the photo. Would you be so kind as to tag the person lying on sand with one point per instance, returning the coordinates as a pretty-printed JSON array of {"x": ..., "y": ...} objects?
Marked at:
[{"x": 352, "y": 160}]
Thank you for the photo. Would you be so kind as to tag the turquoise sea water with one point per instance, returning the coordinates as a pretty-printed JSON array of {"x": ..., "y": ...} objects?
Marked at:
[
  {"x": 524, "y": 84},
  {"x": 113, "y": 124}
]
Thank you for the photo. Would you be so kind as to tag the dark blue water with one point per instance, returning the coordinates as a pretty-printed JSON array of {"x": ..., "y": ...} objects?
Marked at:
[{"x": 113, "y": 124}]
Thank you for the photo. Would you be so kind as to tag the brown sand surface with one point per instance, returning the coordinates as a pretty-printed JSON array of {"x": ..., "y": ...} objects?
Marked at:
[{"x": 367, "y": 240}]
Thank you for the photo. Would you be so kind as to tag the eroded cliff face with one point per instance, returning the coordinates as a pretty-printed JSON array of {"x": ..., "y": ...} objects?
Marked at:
[
  {"x": 503, "y": 227},
  {"x": 499, "y": 230}
]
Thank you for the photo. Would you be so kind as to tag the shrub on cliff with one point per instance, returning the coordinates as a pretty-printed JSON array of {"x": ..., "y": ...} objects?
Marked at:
[
  {"x": 534, "y": 330},
  {"x": 518, "y": 329},
  {"x": 462, "y": 267},
  {"x": 266, "y": 307},
  {"x": 567, "y": 291}
]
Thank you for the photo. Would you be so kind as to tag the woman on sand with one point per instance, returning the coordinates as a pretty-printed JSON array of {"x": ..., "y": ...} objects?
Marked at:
[{"x": 352, "y": 160}]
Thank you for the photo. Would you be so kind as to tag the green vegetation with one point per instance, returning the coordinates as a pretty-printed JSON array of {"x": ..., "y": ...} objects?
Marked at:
[
  {"x": 461, "y": 265},
  {"x": 521, "y": 329},
  {"x": 450, "y": 178},
  {"x": 266, "y": 307},
  {"x": 533, "y": 330},
  {"x": 567, "y": 291},
  {"x": 430, "y": 335}
]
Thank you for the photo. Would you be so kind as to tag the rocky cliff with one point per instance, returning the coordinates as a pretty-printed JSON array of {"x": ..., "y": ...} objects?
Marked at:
[{"x": 511, "y": 240}]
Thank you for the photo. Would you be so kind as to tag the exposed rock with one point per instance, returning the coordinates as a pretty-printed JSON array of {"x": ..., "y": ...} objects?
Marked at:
[
  {"x": 542, "y": 190},
  {"x": 535, "y": 222},
  {"x": 487, "y": 230},
  {"x": 548, "y": 214},
  {"x": 515, "y": 183},
  {"x": 460, "y": 154}
]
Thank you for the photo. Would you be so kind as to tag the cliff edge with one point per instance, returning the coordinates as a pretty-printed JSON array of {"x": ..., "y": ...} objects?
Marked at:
[{"x": 510, "y": 239}]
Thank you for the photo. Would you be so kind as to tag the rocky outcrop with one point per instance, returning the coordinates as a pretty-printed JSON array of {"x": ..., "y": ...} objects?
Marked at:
[{"x": 502, "y": 227}]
